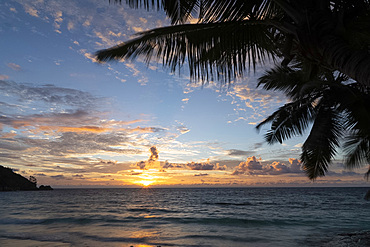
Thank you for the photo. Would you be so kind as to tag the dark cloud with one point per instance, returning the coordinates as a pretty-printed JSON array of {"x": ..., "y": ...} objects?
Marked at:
[
  {"x": 135, "y": 173},
  {"x": 40, "y": 174},
  {"x": 12, "y": 145},
  {"x": 151, "y": 162},
  {"x": 199, "y": 166},
  {"x": 201, "y": 174},
  {"x": 237, "y": 152},
  {"x": 167, "y": 165},
  {"x": 80, "y": 176},
  {"x": 343, "y": 173},
  {"x": 50, "y": 94},
  {"x": 141, "y": 164},
  {"x": 59, "y": 177},
  {"x": 50, "y": 121},
  {"x": 82, "y": 143},
  {"x": 154, "y": 154},
  {"x": 257, "y": 145}
]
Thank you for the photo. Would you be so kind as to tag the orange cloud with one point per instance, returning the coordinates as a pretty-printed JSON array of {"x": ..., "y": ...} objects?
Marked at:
[
  {"x": 143, "y": 129},
  {"x": 94, "y": 129}
]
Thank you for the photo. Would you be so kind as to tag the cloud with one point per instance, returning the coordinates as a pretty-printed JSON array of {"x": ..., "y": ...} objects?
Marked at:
[
  {"x": 237, "y": 152},
  {"x": 248, "y": 167},
  {"x": 58, "y": 21},
  {"x": 146, "y": 129},
  {"x": 141, "y": 165},
  {"x": 295, "y": 165},
  {"x": 90, "y": 56},
  {"x": 254, "y": 166},
  {"x": 204, "y": 166},
  {"x": 59, "y": 177},
  {"x": 40, "y": 174},
  {"x": 183, "y": 129},
  {"x": 70, "y": 26},
  {"x": 14, "y": 66},
  {"x": 137, "y": 29},
  {"x": 250, "y": 102},
  {"x": 30, "y": 10},
  {"x": 151, "y": 162},
  {"x": 66, "y": 122},
  {"x": 257, "y": 145},
  {"x": 4, "y": 77},
  {"x": 154, "y": 154},
  {"x": 201, "y": 174},
  {"x": 143, "y": 20},
  {"x": 50, "y": 94}
]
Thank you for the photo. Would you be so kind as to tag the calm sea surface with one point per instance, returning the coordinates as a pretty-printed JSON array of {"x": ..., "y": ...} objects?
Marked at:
[{"x": 181, "y": 217}]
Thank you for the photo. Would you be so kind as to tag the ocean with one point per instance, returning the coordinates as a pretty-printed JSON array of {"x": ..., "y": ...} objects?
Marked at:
[{"x": 181, "y": 217}]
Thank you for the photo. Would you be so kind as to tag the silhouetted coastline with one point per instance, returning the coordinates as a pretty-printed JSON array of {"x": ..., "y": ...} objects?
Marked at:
[{"x": 11, "y": 181}]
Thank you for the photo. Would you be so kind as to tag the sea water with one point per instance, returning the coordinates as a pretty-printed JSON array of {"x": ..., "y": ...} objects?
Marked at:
[{"x": 181, "y": 217}]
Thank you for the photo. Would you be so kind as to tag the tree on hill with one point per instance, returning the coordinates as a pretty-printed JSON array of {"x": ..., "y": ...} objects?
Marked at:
[
  {"x": 33, "y": 180},
  {"x": 322, "y": 46},
  {"x": 10, "y": 180}
]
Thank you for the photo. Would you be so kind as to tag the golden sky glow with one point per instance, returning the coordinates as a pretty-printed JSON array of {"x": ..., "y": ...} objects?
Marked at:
[{"x": 71, "y": 122}]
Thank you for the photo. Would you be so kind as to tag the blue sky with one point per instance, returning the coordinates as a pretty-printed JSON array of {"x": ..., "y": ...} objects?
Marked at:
[{"x": 73, "y": 122}]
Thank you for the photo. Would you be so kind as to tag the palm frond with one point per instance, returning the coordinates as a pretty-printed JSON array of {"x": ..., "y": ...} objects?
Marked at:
[
  {"x": 180, "y": 11},
  {"x": 356, "y": 107},
  {"x": 367, "y": 174},
  {"x": 320, "y": 146},
  {"x": 357, "y": 150},
  {"x": 206, "y": 48},
  {"x": 289, "y": 120},
  {"x": 237, "y": 10},
  {"x": 292, "y": 82}
]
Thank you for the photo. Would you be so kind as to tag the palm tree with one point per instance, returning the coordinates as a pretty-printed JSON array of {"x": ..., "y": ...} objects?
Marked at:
[
  {"x": 314, "y": 40},
  {"x": 335, "y": 108},
  {"x": 331, "y": 33}
]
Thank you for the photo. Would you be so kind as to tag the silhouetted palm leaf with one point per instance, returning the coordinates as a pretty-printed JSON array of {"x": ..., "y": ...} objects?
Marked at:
[
  {"x": 320, "y": 147},
  {"x": 207, "y": 47},
  {"x": 180, "y": 11},
  {"x": 290, "y": 120},
  {"x": 319, "y": 30},
  {"x": 357, "y": 149}
]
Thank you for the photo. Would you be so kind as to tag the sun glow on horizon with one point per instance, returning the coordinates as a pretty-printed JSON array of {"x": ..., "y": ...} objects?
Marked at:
[{"x": 146, "y": 183}]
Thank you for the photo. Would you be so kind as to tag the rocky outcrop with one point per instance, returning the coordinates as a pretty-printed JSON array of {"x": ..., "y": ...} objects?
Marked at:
[
  {"x": 45, "y": 187},
  {"x": 11, "y": 181}
]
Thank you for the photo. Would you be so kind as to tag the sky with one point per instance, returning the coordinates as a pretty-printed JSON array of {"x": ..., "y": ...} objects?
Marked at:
[{"x": 72, "y": 122}]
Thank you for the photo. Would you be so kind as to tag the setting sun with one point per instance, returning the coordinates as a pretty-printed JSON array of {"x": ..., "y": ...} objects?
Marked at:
[{"x": 146, "y": 183}]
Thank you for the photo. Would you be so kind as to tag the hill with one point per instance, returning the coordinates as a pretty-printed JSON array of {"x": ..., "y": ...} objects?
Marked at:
[{"x": 10, "y": 181}]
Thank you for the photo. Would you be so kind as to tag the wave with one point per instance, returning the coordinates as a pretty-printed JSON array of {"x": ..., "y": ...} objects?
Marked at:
[
  {"x": 155, "y": 220},
  {"x": 152, "y": 210},
  {"x": 229, "y": 203}
]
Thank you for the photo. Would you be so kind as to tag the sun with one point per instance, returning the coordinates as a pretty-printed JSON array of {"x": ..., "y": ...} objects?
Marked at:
[{"x": 146, "y": 183}]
